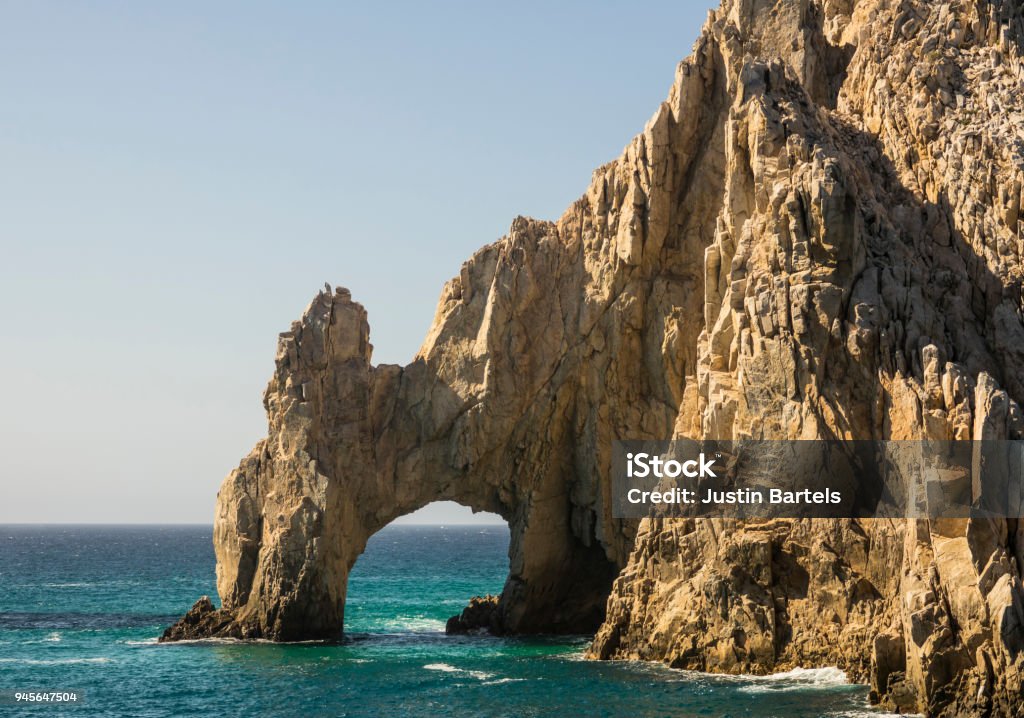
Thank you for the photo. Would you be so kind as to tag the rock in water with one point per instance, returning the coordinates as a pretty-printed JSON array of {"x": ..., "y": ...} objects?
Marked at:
[
  {"x": 482, "y": 615},
  {"x": 203, "y": 620},
  {"x": 816, "y": 235}
]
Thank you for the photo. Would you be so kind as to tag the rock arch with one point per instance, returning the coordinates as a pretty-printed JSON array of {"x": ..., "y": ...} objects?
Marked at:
[
  {"x": 352, "y": 447},
  {"x": 549, "y": 344}
]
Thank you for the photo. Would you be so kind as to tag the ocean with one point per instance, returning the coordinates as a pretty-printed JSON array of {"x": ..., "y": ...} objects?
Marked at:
[{"x": 81, "y": 608}]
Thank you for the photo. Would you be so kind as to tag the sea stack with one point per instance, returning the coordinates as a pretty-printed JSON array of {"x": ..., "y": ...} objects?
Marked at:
[{"x": 817, "y": 235}]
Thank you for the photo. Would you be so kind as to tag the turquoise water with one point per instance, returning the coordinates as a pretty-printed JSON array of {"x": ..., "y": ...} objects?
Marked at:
[{"x": 81, "y": 607}]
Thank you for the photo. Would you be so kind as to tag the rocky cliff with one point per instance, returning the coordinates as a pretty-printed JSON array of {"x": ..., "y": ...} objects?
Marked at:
[{"x": 816, "y": 235}]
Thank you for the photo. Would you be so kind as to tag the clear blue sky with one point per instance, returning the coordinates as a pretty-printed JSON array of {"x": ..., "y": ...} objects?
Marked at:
[{"x": 178, "y": 179}]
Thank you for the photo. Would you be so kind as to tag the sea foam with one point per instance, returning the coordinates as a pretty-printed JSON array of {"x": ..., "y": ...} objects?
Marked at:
[
  {"x": 795, "y": 680},
  {"x": 447, "y": 668}
]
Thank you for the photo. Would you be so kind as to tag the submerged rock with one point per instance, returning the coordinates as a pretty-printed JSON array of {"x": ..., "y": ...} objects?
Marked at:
[{"x": 817, "y": 235}]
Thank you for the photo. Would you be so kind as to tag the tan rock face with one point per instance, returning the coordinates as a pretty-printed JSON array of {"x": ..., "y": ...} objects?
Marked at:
[{"x": 816, "y": 235}]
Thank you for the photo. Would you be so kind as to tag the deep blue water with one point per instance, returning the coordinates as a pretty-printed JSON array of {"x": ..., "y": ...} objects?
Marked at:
[{"x": 81, "y": 607}]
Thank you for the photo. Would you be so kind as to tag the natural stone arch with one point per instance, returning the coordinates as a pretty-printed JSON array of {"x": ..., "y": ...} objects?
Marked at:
[
  {"x": 351, "y": 448},
  {"x": 547, "y": 346}
]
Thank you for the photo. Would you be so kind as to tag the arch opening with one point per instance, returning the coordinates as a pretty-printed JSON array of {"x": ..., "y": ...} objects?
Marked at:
[{"x": 419, "y": 571}]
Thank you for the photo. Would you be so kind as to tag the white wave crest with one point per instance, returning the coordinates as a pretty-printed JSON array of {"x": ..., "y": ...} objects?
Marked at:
[
  {"x": 415, "y": 624},
  {"x": 218, "y": 640},
  {"x": 53, "y": 661},
  {"x": 499, "y": 681},
  {"x": 869, "y": 712},
  {"x": 447, "y": 668},
  {"x": 795, "y": 680},
  {"x": 52, "y": 637}
]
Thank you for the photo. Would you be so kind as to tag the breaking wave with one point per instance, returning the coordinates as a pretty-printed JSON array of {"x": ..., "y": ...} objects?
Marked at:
[
  {"x": 795, "y": 680},
  {"x": 448, "y": 668}
]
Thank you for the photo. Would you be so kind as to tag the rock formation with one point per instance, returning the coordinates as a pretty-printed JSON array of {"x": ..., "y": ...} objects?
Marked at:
[
  {"x": 482, "y": 615},
  {"x": 816, "y": 235}
]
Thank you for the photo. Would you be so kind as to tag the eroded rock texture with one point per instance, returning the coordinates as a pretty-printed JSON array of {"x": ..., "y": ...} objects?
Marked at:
[{"x": 816, "y": 235}]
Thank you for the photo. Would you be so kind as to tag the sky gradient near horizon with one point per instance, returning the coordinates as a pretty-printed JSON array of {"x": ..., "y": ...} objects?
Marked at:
[{"x": 179, "y": 180}]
